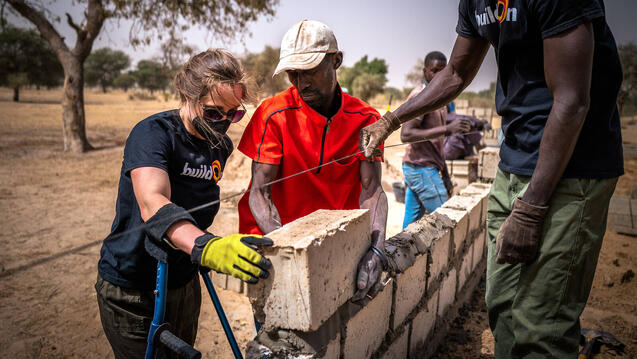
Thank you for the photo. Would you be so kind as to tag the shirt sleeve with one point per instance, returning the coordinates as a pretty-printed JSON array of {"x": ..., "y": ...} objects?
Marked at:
[
  {"x": 261, "y": 140},
  {"x": 465, "y": 26},
  {"x": 148, "y": 145},
  {"x": 557, "y": 16}
]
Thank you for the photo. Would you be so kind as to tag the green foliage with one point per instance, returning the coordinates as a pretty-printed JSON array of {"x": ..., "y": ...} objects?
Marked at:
[
  {"x": 142, "y": 96},
  {"x": 29, "y": 58},
  {"x": 627, "y": 97},
  {"x": 415, "y": 75},
  {"x": 151, "y": 75},
  {"x": 367, "y": 85},
  {"x": 484, "y": 98},
  {"x": 124, "y": 81},
  {"x": 355, "y": 78},
  {"x": 103, "y": 66},
  {"x": 261, "y": 67}
]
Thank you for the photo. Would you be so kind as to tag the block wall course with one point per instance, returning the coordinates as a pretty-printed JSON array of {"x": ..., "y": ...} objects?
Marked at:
[
  {"x": 398, "y": 349},
  {"x": 466, "y": 267},
  {"x": 461, "y": 227},
  {"x": 410, "y": 288},
  {"x": 304, "y": 288},
  {"x": 423, "y": 325},
  {"x": 365, "y": 331},
  {"x": 470, "y": 204},
  {"x": 447, "y": 293}
]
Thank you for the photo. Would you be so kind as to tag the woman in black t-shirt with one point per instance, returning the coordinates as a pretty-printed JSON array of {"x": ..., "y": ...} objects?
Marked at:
[{"x": 172, "y": 163}]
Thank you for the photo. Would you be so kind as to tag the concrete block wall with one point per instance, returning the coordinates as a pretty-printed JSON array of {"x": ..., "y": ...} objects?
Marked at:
[
  {"x": 488, "y": 159},
  {"x": 435, "y": 265}
]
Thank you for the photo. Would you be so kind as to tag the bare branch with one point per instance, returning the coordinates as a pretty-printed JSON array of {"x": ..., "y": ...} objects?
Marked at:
[
  {"x": 95, "y": 16},
  {"x": 72, "y": 24}
]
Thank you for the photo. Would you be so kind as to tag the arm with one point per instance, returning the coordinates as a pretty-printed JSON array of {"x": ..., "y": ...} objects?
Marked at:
[
  {"x": 411, "y": 132},
  {"x": 466, "y": 58},
  {"x": 234, "y": 254},
  {"x": 152, "y": 191},
  {"x": 372, "y": 197},
  {"x": 568, "y": 63},
  {"x": 260, "y": 200}
]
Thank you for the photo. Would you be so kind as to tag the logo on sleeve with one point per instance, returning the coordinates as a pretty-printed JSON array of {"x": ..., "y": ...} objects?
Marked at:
[
  {"x": 500, "y": 14},
  {"x": 212, "y": 172}
]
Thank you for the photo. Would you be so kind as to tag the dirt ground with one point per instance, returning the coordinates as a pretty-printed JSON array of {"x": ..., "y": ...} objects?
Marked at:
[{"x": 57, "y": 207}]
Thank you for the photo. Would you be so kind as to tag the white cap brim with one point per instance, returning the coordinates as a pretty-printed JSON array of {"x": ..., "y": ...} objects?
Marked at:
[{"x": 299, "y": 62}]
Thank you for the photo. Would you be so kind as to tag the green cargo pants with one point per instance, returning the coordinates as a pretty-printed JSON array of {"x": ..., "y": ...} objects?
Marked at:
[{"x": 534, "y": 308}]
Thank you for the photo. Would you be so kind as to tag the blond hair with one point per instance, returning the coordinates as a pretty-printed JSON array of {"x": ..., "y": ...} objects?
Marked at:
[{"x": 203, "y": 72}]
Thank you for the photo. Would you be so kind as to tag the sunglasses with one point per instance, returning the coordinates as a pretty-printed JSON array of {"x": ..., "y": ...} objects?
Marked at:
[{"x": 215, "y": 114}]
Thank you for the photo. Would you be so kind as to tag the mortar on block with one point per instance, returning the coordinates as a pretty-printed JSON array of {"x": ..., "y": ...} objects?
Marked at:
[{"x": 314, "y": 264}]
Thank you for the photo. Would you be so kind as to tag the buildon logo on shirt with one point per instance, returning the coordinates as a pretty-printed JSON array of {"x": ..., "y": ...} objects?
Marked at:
[
  {"x": 500, "y": 14},
  {"x": 205, "y": 172}
]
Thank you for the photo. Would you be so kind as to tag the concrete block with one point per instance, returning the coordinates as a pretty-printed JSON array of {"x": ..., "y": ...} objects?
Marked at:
[
  {"x": 333, "y": 350},
  {"x": 466, "y": 267},
  {"x": 461, "y": 227},
  {"x": 234, "y": 284},
  {"x": 365, "y": 331},
  {"x": 410, "y": 288},
  {"x": 220, "y": 280},
  {"x": 470, "y": 204},
  {"x": 489, "y": 158},
  {"x": 479, "y": 248},
  {"x": 422, "y": 326},
  {"x": 622, "y": 214},
  {"x": 447, "y": 293},
  {"x": 398, "y": 349},
  {"x": 314, "y": 261}
]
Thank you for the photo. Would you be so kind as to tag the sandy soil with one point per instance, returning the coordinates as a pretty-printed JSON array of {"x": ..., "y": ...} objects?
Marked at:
[{"x": 57, "y": 207}]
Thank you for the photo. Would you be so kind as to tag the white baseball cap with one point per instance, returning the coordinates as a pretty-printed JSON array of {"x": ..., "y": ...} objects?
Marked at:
[{"x": 304, "y": 46}]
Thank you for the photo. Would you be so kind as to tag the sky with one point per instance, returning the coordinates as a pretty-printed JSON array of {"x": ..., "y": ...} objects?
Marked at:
[{"x": 400, "y": 31}]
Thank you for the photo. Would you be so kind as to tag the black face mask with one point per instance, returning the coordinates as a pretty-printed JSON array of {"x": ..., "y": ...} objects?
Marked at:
[{"x": 205, "y": 128}]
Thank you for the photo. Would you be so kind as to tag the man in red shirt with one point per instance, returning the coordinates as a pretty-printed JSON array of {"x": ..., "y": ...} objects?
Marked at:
[{"x": 308, "y": 125}]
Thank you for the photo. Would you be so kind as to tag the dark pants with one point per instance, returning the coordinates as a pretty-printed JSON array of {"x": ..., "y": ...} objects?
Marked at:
[{"x": 127, "y": 313}]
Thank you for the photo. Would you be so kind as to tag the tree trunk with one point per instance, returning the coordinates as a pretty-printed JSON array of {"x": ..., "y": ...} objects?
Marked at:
[
  {"x": 73, "y": 117},
  {"x": 103, "y": 88},
  {"x": 16, "y": 93}
]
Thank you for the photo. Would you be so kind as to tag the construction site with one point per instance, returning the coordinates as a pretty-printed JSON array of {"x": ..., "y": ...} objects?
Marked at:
[{"x": 58, "y": 208}]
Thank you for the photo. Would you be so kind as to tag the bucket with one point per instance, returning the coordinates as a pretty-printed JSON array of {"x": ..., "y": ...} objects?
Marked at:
[{"x": 399, "y": 191}]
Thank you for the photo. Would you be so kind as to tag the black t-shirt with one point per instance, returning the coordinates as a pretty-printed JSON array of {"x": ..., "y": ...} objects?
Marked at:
[
  {"x": 522, "y": 96},
  {"x": 193, "y": 166}
]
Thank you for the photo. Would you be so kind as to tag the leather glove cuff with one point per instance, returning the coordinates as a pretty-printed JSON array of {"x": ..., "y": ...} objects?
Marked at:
[
  {"x": 381, "y": 255},
  {"x": 391, "y": 120},
  {"x": 200, "y": 244},
  {"x": 532, "y": 212},
  {"x": 166, "y": 216}
]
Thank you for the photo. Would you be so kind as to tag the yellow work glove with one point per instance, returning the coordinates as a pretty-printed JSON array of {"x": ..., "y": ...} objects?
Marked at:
[{"x": 235, "y": 254}]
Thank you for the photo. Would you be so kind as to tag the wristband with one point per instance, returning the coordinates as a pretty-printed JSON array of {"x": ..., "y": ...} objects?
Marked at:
[
  {"x": 381, "y": 255},
  {"x": 200, "y": 244}
]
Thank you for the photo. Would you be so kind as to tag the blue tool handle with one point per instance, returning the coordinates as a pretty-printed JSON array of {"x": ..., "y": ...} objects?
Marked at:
[
  {"x": 222, "y": 315},
  {"x": 180, "y": 347}
]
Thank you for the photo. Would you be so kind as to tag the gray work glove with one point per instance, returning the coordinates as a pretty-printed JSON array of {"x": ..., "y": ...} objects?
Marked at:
[
  {"x": 519, "y": 236},
  {"x": 368, "y": 283},
  {"x": 373, "y": 135}
]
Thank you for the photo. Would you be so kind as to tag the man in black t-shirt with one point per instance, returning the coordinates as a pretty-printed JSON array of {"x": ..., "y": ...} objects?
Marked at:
[{"x": 558, "y": 78}]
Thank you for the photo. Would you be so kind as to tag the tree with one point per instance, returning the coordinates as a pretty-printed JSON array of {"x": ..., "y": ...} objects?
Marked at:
[
  {"x": 627, "y": 94},
  {"x": 26, "y": 59},
  {"x": 151, "y": 75},
  {"x": 224, "y": 18},
  {"x": 261, "y": 66},
  {"x": 124, "y": 81},
  {"x": 104, "y": 65},
  {"x": 367, "y": 85},
  {"x": 376, "y": 67},
  {"x": 415, "y": 75}
]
